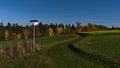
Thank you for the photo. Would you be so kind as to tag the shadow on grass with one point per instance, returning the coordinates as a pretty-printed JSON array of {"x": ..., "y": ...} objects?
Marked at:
[
  {"x": 96, "y": 34},
  {"x": 82, "y": 34},
  {"x": 101, "y": 59}
]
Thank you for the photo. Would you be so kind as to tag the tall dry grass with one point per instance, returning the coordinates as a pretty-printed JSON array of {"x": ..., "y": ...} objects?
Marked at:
[{"x": 18, "y": 50}]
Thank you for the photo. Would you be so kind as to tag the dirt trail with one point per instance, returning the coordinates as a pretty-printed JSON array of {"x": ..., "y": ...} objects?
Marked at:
[
  {"x": 47, "y": 59},
  {"x": 60, "y": 42}
]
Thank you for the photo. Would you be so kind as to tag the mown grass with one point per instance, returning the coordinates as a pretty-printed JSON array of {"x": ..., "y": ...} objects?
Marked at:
[
  {"x": 10, "y": 43},
  {"x": 35, "y": 60},
  {"x": 43, "y": 41},
  {"x": 53, "y": 39},
  {"x": 64, "y": 57},
  {"x": 105, "y": 49},
  {"x": 98, "y": 51}
]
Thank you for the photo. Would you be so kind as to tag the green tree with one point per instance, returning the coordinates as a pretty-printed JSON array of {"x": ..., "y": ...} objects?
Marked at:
[
  {"x": 14, "y": 36},
  {"x": 2, "y": 31},
  {"x": 79, "y": 27},
  {"x": 37, "y": 31}
]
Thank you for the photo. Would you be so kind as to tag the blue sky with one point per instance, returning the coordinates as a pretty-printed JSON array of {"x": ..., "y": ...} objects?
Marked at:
[{"x": 105, "y": 12}]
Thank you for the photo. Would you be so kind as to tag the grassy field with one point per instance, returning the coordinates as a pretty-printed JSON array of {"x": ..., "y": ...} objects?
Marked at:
[
  {"x": 104, "y": 32},
  {"x": 43, "y": 41},
  {"x": 36, "y": 60},
  {"x": 70, "y": 51},
  {"x": 89, "y": 52},
  {"x": 102, "y": 49}
]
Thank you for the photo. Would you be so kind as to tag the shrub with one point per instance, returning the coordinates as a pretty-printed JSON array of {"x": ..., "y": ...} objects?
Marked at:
[
  {"x": 37, "y": 47},
  {"x": 28, "y": 47},
  {"x": 1, "y": 52},
  {"x": 4, "y": 54},
  {"x": 9, "y": 51},
  {"x": 18, "y": 50}
]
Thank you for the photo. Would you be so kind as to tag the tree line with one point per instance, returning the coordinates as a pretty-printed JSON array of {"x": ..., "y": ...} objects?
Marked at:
[{"x": 15, "y": 31}]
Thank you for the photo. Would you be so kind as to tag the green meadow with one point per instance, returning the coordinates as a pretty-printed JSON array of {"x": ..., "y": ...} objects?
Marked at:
[
  {"x": 97, "y": 49},
  {"x": 104, "y": 32}
]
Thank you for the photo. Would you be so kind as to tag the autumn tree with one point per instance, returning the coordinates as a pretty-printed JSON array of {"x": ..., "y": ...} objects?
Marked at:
[
  {"x": 16, "y": 31},
  {"x": 26, "y": 33},
  {"x": 79, "y": 27},
  {"x": 16, "y": 28},
  {"x": 94, "y": 27},
  {"x": 45, "y": 30},
  {"x": 59, "y": 30},
  {"x": 19, "y": 36},
  {"x": 14, "y": 36},
  {"x": 7, "y": 35},
  {"x": 68, "y": 30},
  {"x": 91, "y": 27},
  {"x": 37, "y": 31},
  {"x": 65, "y": 30},
  {"x": 50, "y": 32},
  {"x": 102, "y": 27}
]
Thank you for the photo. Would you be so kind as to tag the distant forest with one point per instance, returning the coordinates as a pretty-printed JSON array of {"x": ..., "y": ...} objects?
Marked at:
[{"x": 16, "y": 31}]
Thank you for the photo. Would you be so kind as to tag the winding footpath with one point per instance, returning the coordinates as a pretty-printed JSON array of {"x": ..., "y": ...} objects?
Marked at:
[{"x": 64, "y": 41}]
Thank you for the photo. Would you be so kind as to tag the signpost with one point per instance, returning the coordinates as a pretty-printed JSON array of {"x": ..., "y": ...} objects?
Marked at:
[{"x": 35, "y": 22}]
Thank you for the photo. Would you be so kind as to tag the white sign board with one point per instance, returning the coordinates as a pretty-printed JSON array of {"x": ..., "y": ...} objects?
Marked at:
[{"x": 35, "y": 23}]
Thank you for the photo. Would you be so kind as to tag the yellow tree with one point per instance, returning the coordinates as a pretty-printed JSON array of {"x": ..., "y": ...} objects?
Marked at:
[
  {"x": 26, "y": 33},
  {"x": 59, "y": 31},
  {"x": 7, "y": 35},
  {"x": 64, "y": 30},
  {"x": 94, "y": 27},
  {"x": 50, "y": 32},
  {"x": 18, "y": 36}
]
